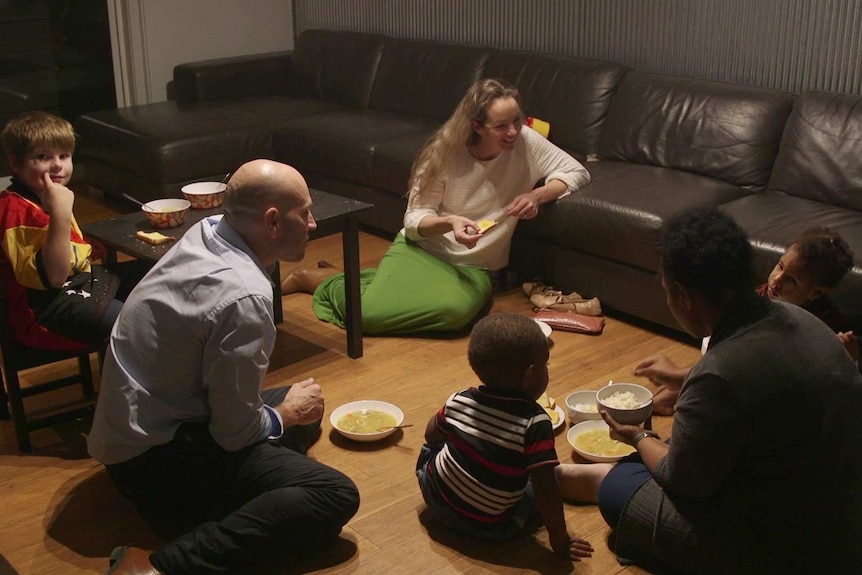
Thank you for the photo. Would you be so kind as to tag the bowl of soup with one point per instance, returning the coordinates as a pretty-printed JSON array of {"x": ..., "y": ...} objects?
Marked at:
[
  {"x": 166, "y": 213},
  {"x": 366, "y": 420},
  {"x": 592, "y": 441}
]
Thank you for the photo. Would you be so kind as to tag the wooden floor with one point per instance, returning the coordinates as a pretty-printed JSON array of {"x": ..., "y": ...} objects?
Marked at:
[{"x": 60, "y": 514}]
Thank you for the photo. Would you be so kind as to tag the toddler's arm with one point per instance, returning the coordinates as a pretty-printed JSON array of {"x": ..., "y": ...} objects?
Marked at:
[
  {"x": 550, "y": 505},
  {"x": 57, "y": 200}
]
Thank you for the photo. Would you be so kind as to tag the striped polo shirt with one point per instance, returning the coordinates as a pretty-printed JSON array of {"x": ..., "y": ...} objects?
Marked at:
[{"x": 494, "y": 438}]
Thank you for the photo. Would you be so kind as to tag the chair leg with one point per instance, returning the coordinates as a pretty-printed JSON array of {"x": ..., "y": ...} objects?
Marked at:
[
  {"x": 86, "y": 376},
  {"x": 16, "y": 404}
]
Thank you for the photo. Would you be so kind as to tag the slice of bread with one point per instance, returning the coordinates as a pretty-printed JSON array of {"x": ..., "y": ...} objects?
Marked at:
[
  {"x": 154, "y": 238},
  {"x": 547, "y": 401},
  {"x": 485, "y": 225}
]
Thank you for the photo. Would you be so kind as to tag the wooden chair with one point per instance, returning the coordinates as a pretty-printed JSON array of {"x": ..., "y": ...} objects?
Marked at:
[{"x": 18, "y": 357}]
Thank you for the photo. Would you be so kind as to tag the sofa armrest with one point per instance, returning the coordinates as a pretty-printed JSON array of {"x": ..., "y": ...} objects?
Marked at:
[{"x": 234, "y": 77}]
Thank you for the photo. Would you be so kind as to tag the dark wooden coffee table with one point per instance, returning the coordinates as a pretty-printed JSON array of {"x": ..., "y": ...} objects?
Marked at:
[{"x": 334, "y": 214}]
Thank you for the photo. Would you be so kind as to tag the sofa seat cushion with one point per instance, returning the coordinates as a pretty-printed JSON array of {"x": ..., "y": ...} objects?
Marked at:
[
  {"x": 774, "y": 219},
  {"x": 170, "y": 143},
  {"x": 344, "y": 144},
  {"x": 619, "y": 215}
]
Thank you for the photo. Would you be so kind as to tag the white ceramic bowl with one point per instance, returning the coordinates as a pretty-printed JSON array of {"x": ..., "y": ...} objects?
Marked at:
[
  {"x": 584, "y": 397},
  {"x": 546, "y": 329},
  {"x": 584, "y": 427},
  {"x": 633, "y": 416},
  {"x": 366, "y": 404},
  {"x": 204, "y": 195},
  {"x": 166, "y": 213}
]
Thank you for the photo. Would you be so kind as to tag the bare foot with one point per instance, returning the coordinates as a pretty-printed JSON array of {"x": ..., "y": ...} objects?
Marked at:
[
  {"x": 305, "y": 280},
  {"x": 580, "y": 481},
  {"x": 664, "y": 401}
]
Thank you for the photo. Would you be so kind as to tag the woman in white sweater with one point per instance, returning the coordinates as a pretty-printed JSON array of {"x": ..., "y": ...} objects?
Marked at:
[{"x": 480, "y": 166}]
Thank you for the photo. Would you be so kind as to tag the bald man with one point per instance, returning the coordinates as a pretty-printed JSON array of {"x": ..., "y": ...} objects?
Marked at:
[{"x": 182, "y": 425}]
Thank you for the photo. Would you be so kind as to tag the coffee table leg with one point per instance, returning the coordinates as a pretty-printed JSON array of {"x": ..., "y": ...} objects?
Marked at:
[{"x": 350, "y": 246}]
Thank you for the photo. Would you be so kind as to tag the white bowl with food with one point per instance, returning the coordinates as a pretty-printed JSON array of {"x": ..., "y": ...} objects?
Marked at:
[
  {"x": 366, "y": 420},
  {"x": 592, "y": 441},
  {"x": 204, "y": 195},
  {"x": 628, "y": 403},
  {"x": 166, "y": 213},
  {"x": 546, "y": 329},
  {"x": 581, "y": 406}
]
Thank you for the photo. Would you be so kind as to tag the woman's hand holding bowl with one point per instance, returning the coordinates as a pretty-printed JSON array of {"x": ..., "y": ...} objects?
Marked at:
[{"x": 620, "y": 431}]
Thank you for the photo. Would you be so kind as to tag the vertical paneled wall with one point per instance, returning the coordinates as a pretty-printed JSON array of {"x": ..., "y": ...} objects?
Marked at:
[{"x": 793, "y": 45}]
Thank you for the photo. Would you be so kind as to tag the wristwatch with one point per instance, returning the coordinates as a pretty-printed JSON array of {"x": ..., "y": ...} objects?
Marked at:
[{"x": 643, "y": 435}]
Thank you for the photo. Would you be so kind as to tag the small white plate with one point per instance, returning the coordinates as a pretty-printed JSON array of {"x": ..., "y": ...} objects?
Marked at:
[
  {"x": 546, "y": 329},
  {"x": 562, "y": 420}
]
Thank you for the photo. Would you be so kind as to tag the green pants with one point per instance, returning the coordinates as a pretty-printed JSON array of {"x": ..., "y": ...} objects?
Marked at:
[{"x": 411, "y": 291}]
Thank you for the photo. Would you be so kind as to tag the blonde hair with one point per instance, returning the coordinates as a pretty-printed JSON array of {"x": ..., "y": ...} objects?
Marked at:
[
  {"x": 457, "y": 131},
  {"x": 31, "y": 130}
]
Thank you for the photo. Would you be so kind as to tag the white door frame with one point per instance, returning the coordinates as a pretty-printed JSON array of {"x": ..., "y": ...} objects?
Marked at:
[{"x": 127, "y": 21}]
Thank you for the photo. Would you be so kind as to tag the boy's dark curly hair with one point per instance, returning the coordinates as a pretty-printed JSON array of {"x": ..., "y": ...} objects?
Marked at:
[
  {"x": 705, "y": 249},
  {"x": 502, "y": 346},
  {"x": 825, "y": 255}
]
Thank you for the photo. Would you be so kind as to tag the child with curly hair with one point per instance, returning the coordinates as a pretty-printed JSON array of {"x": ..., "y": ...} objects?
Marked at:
[
  {"x": 804, "y": 275},
  {"x": 489, "y": 468}
]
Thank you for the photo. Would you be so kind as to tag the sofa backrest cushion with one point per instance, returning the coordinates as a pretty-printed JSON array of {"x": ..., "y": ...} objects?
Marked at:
[
  {"x": 726, "y": 131},
  {"x": 424, "y": 77},
  {"x": 572, "y": 94},
  {"x": 820, "y": 157},
  {"x": 336, "y": 66}
]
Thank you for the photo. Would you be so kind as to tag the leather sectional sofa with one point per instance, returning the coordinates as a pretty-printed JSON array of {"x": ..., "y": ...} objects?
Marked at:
[{"x": 351, "y": 110}]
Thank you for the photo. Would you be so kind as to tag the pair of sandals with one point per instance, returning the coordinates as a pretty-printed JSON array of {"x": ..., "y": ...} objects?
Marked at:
[{"x": 546, "y": 297}]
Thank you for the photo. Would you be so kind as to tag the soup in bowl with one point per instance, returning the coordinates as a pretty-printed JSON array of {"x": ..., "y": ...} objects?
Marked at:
[{"x": 366, "y": 420}]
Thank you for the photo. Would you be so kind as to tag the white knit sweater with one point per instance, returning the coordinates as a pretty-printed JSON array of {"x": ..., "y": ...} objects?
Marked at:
[{"x": 482, "y": 189}]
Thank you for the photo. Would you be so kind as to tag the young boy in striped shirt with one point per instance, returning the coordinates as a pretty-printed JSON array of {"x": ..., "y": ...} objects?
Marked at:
[{"x": 489, "y": 467}]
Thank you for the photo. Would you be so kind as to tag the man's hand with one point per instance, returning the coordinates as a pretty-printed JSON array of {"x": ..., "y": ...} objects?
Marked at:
[
  {"x": 661, "y": 371},
  {"x": 573, "y": 548},
  {"x": 303, "y": 404},
  {"x": 56, "y": 199}
]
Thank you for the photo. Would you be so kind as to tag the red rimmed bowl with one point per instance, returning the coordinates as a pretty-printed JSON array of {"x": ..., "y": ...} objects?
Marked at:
[
  {"x": 204, "y": 195},
  {"x": 166, "y": 213}
]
